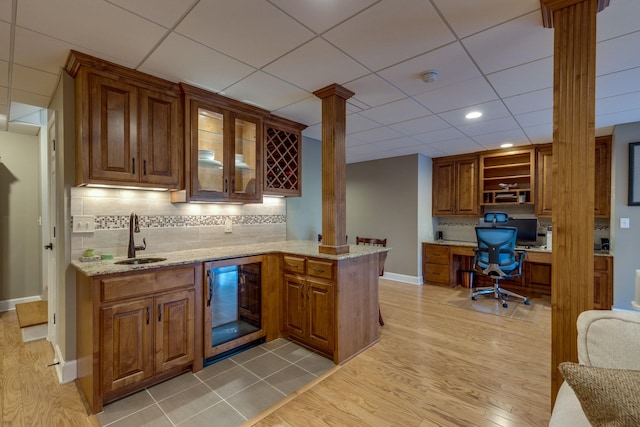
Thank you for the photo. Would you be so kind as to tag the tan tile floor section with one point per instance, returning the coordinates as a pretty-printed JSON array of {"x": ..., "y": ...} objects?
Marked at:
[{"x": 226, "y": 393}]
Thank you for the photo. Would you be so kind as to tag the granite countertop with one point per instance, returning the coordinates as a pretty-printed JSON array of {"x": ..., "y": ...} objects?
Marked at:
[
  {"x": 293, "y": 247},
  {"x": 527, "y": 248}
]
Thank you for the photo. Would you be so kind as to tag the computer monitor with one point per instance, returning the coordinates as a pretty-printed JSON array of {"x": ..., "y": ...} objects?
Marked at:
[{"x": 527, "y": 230}]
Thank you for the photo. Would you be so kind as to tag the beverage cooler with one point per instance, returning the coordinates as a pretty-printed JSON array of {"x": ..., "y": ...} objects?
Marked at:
[{"x": 233, "y": 306}]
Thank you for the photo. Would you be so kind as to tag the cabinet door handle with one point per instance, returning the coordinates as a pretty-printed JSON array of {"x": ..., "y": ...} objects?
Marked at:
[
  {"x": 318, "y": 270},
  {"x": 159, "y": 312},
  {"x": 292, "y": 265},
  {"x": 210, "y": 283},
  {"x": 147, "y": 315},
  {"x": 226, "y": 185},
  {"x": 308, "y": 289},
  {"x": 133, "y": 165},
  {"x": 144, "y": 167},
  {"x": 233, "y": 185}
]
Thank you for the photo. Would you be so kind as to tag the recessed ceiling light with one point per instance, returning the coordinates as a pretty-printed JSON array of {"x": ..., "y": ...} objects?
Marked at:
[
  {"x": 473, "y": 115},
  {"x": 506, "y": 145}
]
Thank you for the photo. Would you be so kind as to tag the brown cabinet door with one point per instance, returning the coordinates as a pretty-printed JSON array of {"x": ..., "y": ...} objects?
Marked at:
[
  {"x": 443, "y": 191},
  {"x": 127, "y": 346},
  {"x": 174, "y": 333},
  {"x": 602, "y": 283},
  {"x": 160, "y": 139},
  {"x": 538, "y": 276},
  {"x": 295, "y": 305},
  {"x": 602, "y": 201},
  {"x": 112, "y": 141},
  {"x": 467, "y": 187},
  {"x": 544, "y": 186},
  {"x": 320, "y": 308}
]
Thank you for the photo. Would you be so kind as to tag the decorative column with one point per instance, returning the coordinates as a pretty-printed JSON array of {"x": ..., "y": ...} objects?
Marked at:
[
  {"x": 334, "y": 120},
  {"x": 573, "y": 168}
]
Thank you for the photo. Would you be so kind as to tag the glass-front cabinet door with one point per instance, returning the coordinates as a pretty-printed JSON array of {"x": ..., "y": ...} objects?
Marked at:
[{"x": 225, "y": 154}]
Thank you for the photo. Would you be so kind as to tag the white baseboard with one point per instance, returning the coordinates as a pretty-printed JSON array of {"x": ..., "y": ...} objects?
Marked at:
[
  {"x": 67, "y": 370},
  {"x": 412, "y": 280},
  {"x": 10, "y": 304}
]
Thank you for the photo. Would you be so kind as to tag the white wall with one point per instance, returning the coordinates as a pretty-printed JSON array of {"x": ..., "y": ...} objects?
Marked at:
[{"x": 625, "y": 243}]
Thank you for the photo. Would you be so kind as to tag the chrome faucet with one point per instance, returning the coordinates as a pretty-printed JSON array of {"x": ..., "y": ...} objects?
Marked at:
[{"x": 134, "y": 227}]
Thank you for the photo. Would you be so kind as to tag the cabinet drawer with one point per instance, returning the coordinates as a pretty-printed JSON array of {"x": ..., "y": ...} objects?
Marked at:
[
  {"x": 120, "y": 287},
  {"x": 294, "y": 264},
  {"x": 436, "y": 254},
  {"x": 436, "y": 273},
  {"x": 600, "y": 263},
  {"x": 319, "y": 268}
]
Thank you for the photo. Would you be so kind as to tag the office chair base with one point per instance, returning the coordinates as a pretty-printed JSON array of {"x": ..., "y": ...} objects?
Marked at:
[{"x": 499, "y": 293}]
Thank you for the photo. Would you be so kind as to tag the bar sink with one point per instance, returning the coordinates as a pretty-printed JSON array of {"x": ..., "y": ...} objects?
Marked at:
[{"x": 136, "y": 261}]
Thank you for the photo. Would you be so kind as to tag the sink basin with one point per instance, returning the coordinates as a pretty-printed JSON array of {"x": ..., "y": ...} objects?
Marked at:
[{"x": 136, "y": 261}]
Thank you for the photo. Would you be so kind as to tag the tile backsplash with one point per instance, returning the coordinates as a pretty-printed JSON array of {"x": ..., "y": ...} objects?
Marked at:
[{"x": 170, "y": 227}]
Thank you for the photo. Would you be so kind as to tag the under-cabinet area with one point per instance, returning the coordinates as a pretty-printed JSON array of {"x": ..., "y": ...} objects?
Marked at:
[{"x": 140, "y": 325}]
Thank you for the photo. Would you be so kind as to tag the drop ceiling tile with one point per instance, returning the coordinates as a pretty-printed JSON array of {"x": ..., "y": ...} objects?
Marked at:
[
  {"x": 4, "y": 73},
  {"x": 391, "y": 31},
  {"x": 163, "y": 12},
  {"x": 467, "y": 17},
  {"x": 5, "y": 36},
  {"x": 458, "y": 146},
  {"x": 420, "y": 125},
  {"x": 524, "y": 78},
  {"x": 322, "y": 15},
  {"x": 621, "y": 17},
  {"x": 430, "y": 151},
  {"x": 630, "y": 116},
  {"x": 265, "y": 91},
  {"x": 252, "y": 32},
  {"x": 39, "y": 51},
  {"x": 308, "y": 111},
  {"x": 30, "y": 98},
  {"x": 373, "y": 91},
  {"x": 540, "y": 134},
  {"x": 91, "y": 25},
  {"x": 489, "y": 126},
  {"x": 315, "y": 65},
  {"x": 494, "y": 140},
  {"x": 609, "y": 59},
  {"x": 464, "y": 94},
  {"x": 618, "y": 83},
  {"x": 207, "y": 68},
  {"x": 313, "y": 131},
  {"x": 397, "y": 111},
  {"x": 535, "y": 118},
  {"x": 358, "y": 123},
  {"x": 618, "y": 104},
  {"x": 394, "y": 143},
  {"x": 32, "y": 80},
  {"x": 513, "y": 43},
  {"x": 490, "y": 110},
  {"x": 437, "y": 136},
  {"x": 377, "y": 134},
  {"x": 532, "y": 101},
  {"x": 451, "y": 61}
]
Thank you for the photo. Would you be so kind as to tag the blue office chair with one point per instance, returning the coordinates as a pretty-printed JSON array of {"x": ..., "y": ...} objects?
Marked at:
[{"x": 496, "y": 256}]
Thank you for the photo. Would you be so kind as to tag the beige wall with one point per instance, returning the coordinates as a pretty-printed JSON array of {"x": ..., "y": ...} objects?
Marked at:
[{"x": 20, "y": 249}]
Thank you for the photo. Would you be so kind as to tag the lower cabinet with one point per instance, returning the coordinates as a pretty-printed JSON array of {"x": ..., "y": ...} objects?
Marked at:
[
  {"x": 143, "y": 327},
  {"x": 310, "y": 302},
  {"x": 435, "y": 266}
]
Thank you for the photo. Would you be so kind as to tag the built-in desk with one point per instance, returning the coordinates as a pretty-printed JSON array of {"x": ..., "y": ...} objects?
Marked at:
[{"x": 443, "y": 260}]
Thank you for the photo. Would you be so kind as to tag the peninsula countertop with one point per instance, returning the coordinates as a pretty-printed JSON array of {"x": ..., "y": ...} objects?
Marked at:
[{"x": 293, "y": 247}]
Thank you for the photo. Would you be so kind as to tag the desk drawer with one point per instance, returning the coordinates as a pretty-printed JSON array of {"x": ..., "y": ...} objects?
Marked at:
[
  {"x": 319, "y": 268},
  {"x": 436, "y": 273},
  {"x": 436, "y": 254},
  {"x": 294, "y": 264}
]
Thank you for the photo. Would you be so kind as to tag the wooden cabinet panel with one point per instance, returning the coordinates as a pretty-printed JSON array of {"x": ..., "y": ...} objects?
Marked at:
[
  {"x": 603, "y": 283},
  {"x": 282, "y": 157},
  {"x": 602, "y": 200},
  {"x": 455, "y": 186},
  {"x": 174, "y": 332},
  {"x": 436, "y": 254},
  {"x": 320, "y": 302},
  {"x": 437, "y": 273},
  {"x": 435, "y": 264},
  {"x": 294, "y": 303},
  {"x": 127, "y": 346},
  {"x": 514, "y": 168}
]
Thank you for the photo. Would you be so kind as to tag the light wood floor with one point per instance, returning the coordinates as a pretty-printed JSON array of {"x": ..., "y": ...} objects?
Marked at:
[{"x": 436, "y": 365}]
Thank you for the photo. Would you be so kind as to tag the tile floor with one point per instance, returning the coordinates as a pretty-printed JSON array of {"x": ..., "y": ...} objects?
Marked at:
[{"x": 226, "y": 393}]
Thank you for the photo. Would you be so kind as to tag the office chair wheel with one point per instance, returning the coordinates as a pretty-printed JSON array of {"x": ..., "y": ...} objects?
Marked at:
[
  {"x": 505, "y": 305},
  {"x": 474, "y": 298},
  {"x": 527, "y": 302}
]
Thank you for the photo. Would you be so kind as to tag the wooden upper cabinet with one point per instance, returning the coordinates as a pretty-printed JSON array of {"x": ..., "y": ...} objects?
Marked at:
[
  {"x": 507, "y": 177},
  {"x": 282, "y": 157},
  {"x": 455, "y": 186},
  {"x": 602, "y": 201},
  {"x": 129, "y": 126},
  {"x": 223, "y": 149}
]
